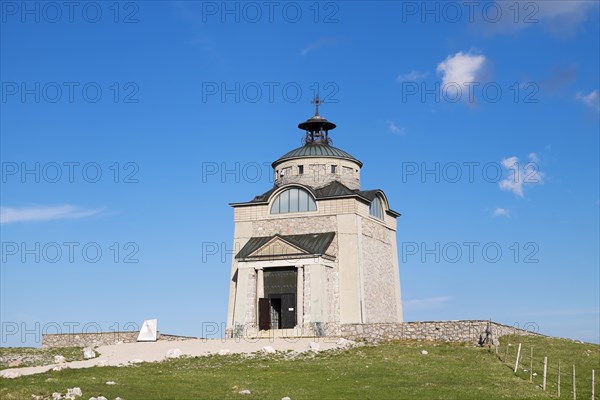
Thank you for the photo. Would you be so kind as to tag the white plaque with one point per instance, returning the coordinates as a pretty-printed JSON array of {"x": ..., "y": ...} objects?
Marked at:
[{"x": 148, "y": 331}]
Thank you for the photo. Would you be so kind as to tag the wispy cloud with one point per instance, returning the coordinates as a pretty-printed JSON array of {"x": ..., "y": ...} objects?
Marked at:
[
  {"x": 412, "y": 76},
  {"x": 563, "y": 18},
  {"x": 501, "y": 212},
  {"x": 519, "y": 175},
  {"x": 560, "y": 18},
  {"x": 318, "y": 44},
  {"x": 559, "y": 78},
  {"x": 44, "y": 213},
  {"x": 394, "y": 128},
  {"x": 459, "y": 70},
  {"x": 427, "y": 303},
  {"x": 591, "y": 100}
]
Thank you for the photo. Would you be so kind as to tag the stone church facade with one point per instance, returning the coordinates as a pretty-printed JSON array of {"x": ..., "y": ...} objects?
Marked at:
[{"x": 315, "y": 252}]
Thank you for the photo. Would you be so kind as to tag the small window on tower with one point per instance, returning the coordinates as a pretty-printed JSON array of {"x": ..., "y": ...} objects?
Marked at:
[
  {"x": 333, "y": 169},
  {"x": 300, "y": 169}
]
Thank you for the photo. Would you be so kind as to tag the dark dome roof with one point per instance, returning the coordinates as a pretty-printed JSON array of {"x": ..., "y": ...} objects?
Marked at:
[{"x": 316, "y": 150}]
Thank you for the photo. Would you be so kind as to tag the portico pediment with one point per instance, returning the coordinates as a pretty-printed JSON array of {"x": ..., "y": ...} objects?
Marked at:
[{"x": 286, "y": 246}]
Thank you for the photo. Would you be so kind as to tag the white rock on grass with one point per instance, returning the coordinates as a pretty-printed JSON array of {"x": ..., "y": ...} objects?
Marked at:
[
  {"x": 285, "y": 398},
  {"x": 174, "y": 353},
  {"x": 245, "y": 391},
  {"x": 10, "y": 374},
  {"x": 268, "y": 349},
  {"x": 59, "y": 360},
  {"x": 88, "y": 353},
  {"x": 60, "y": 367},
  {"x": 111, "y": 383},
  {"x": 224, "y": 352},
  {"x": 343, "y": 343},
  {"x": 74, "y": 392},
  {"x": 424, "y": 352},
  {"x": 313, "y": 346},
  {"x": 56, "y": 396}
]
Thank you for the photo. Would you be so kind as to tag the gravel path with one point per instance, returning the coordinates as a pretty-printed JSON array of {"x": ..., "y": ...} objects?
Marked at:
[{"x": 127, "y": 353}]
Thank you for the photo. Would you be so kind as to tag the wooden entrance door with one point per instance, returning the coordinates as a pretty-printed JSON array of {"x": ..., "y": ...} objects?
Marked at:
[
  {"x": 288, "y": 310},
  {"x": 264, "y": 314}
]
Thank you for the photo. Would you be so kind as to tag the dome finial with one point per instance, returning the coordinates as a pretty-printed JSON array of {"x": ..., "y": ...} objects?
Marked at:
[
  {"x": 317, "y": 128},
  {"x": 317, "y": 102}
]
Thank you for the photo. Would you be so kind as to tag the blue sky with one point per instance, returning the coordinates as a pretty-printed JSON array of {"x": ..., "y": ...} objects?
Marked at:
[{"x": 126, "y": 130}]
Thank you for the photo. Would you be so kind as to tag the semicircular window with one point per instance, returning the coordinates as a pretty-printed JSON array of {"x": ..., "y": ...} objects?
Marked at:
[
  {"x": 293, "y": 200},
  {"x": 376, "y": 208}
]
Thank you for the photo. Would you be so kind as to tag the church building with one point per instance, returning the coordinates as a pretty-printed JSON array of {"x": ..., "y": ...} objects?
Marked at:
[{"x": 315, "y": 251}]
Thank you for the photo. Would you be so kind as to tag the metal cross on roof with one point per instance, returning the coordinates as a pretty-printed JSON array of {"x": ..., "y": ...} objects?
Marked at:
[{"x": 317, "y": 102}]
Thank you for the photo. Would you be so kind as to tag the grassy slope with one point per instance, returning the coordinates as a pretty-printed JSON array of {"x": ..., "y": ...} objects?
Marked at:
[
  {"x": 31, "y": 357},
  {"x": 585, "y": 357},
  {"x": 389, "y": 371}
]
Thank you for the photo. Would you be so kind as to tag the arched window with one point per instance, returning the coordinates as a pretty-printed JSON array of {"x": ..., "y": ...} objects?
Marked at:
[
  {"x": 376, "y": 208},
  {"x": 293, "y": 200}
]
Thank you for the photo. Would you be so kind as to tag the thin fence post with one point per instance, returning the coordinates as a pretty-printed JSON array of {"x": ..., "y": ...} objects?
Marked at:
[
  {"x": 593, "y": 383},
  {"x": 531, "y": 366},
  {"x": 545, "y": 370},
  {"x": 518, "y": 356},
  {"x": 558, "y": 383},
  {"x": 574, "y": 385}
]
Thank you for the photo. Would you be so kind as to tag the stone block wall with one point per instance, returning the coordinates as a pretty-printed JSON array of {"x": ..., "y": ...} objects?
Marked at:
[
  {"x": 446, "y": 331},
  {"x": 99, "y": 339},
  {"x": 379, "y": 279}
]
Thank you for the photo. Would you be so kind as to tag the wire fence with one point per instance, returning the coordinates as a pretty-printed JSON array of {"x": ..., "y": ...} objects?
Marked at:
[{"x": 560, "y": 379}]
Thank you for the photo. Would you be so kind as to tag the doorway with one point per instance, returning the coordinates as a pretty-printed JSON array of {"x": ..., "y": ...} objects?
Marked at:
[{"x": 277, "y": 309}]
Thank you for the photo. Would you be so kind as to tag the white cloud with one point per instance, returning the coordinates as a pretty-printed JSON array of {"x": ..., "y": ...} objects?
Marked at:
[
  {"x": 427, "y": 303},
  {"x": 501, "y": 212},
  {"x": 319, "y": 43},
  {"x": 44, "y": 213},
  {"x": 591, "y": 100},
  {"x": 521, "y": 175},
  {"x": 458, "y": 71},
  {"x": 412, "y": 76},
  {"x": 395, "y": 129}
]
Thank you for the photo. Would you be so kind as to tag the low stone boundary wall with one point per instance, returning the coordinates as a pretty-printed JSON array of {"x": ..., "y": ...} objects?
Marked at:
[
  {"x": 99, "y": 339},
  {"x": 445, "y": 331}
]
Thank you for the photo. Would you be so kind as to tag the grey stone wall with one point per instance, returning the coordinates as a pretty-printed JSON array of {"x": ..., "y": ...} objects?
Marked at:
[
  {"x": 294, "y": 225},
  {"x": 251, "y": 299},
  {"x": 317, "y": 172},
  {"x": 99, "y": 339},
  {"x": 333, "y": 294},
  {"x": 378, "y": 274},
  {"x": 306, "y": 303},
  {"x": 446, "y": 331}
]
